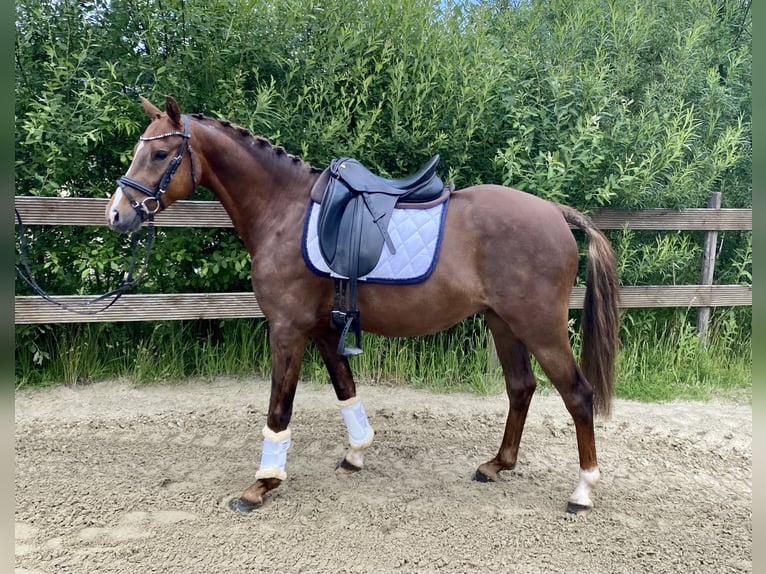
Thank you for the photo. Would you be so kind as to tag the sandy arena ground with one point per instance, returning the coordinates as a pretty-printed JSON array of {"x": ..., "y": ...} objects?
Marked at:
[{"x": 112, "y": 478}]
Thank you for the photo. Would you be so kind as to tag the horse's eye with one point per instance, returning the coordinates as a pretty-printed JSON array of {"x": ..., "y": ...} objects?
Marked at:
[{"x": 160, "y": 155}]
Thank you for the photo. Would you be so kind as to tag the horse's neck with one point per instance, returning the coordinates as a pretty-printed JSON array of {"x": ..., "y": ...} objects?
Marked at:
[{"x": 264, "y": 190}]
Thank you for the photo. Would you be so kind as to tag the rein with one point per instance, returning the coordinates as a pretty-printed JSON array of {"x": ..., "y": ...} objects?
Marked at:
[
  {"x": 147, "y": 208},
  {"x": 85, "y": 308}
]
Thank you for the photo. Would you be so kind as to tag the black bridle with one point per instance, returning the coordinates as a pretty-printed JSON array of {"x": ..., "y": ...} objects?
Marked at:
[
  {"x": 152, "y": 203},
  {"x": 145, "y": 208}
]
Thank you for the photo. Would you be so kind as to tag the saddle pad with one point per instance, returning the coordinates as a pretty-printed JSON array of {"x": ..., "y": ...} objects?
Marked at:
[{"x": 416, "y": 234}]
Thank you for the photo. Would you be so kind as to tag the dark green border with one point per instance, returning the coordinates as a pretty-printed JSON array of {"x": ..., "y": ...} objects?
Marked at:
[
  {"x": 6, "y": 344},
  {"x": 759, "y": 295}
]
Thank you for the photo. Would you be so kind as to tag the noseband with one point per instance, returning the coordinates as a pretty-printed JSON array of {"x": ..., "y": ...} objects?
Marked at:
[{"x": 152, "y": 203}]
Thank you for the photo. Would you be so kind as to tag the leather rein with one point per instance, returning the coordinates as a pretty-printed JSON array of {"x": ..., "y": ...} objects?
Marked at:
[{"x": 146, "y": 208}]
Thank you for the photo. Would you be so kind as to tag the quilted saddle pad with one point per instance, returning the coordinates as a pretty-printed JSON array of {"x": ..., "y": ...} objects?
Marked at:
[{"x": 416, "y": 235}]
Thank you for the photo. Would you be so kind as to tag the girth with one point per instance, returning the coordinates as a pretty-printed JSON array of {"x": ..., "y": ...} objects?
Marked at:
[{"x": 355, "y": 209}]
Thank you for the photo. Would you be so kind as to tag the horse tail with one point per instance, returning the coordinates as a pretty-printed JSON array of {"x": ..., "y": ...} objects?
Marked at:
[{"x": 601, "y": 313}]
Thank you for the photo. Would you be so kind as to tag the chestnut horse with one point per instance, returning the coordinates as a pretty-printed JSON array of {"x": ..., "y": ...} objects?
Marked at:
[{"x": 504, "y": 253}]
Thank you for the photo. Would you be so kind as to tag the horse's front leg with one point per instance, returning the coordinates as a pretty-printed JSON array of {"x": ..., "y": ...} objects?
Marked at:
[
  {"x": 360, "y": 433},
  {"x": 287, "y": 347}
]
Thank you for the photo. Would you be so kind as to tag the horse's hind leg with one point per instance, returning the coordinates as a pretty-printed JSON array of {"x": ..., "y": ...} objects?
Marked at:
[
  {"x": 360, "y": 433},
  {"x": 520, "y": 386},
  {"x": 556, "y": 359}
]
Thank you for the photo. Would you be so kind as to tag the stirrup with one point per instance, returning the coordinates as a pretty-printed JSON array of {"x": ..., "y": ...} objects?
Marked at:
[{"x": 352, "y": 320}]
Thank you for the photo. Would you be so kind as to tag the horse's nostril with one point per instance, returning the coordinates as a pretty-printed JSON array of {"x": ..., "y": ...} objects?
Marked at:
[{"x": 115, "y": 216}]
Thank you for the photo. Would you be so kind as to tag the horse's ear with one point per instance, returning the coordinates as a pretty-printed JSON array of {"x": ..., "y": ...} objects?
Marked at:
[
  {"x": 173, "y": 111},
  {"x": 151, "y": 110}
]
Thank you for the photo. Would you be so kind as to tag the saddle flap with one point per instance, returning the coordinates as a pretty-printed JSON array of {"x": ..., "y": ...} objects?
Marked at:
[
  {"x": 359, "y": 243},
  {"x": 335, "y": 200},
  {"x": 349, "y": 239}
]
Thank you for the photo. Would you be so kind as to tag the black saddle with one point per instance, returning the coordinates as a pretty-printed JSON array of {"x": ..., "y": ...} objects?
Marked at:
[
  {"x": 420, "y": 187},
  {"x": 355, "y": 209}
]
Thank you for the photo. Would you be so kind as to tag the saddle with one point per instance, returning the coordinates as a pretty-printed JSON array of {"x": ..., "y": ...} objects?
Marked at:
[{"x": 355, "y": 209}]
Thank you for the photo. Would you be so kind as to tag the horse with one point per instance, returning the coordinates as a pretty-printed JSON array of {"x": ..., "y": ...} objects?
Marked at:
[{"x": 506, "y": 254}]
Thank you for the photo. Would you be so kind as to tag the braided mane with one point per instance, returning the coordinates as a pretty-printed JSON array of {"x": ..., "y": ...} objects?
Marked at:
[{"x": 259, "y": 141}]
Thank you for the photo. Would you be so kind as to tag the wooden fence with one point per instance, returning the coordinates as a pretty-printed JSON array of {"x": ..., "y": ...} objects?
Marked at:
[{"x": 90, "y": 212}]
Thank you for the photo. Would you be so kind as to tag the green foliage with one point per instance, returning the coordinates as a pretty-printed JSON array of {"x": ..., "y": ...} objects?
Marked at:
[
  {"x": 672, "y": 364},
  {"x": 142, "y": 352},
  {"x": 628, "y": 104},
  {"x": 650, "y": 368},
  {"x": 617, "y": 103},
  {"x": 672, "y": 258}
]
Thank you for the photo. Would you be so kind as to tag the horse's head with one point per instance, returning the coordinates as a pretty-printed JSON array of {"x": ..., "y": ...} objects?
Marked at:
[{"x": 161, "y": 173}]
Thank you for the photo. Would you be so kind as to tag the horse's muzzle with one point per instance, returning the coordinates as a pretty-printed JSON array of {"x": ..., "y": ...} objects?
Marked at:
[{"x": 122, "y": 218}]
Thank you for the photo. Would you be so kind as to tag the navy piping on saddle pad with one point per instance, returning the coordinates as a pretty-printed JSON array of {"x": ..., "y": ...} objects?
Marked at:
[{"x": 408, "y": 281}]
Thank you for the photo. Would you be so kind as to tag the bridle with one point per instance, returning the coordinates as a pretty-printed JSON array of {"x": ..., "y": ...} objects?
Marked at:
[
  {"x": 147, "y": 208},
  {"x": 152, "y": 203}
]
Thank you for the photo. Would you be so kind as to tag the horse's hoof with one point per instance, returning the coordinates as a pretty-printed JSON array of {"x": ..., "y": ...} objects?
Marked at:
[
  {"x": 345, "y": 467},
  {"x": 481, "y": 476},
  {"x": 242, "y": 506},
  {"x": 578, "y": 509}
]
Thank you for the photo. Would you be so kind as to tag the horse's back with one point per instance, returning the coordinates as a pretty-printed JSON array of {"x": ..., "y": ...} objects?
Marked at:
[{"x": 513, "y": 217}]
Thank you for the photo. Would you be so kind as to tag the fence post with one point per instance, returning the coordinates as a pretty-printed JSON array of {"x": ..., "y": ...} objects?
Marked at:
[{"x": 708, "y": 267}]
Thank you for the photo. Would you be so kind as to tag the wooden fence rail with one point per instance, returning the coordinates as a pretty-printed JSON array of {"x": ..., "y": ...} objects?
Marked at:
[
  {"x": 188, "y": 213},
  {"x": 90, "y": 212}
]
